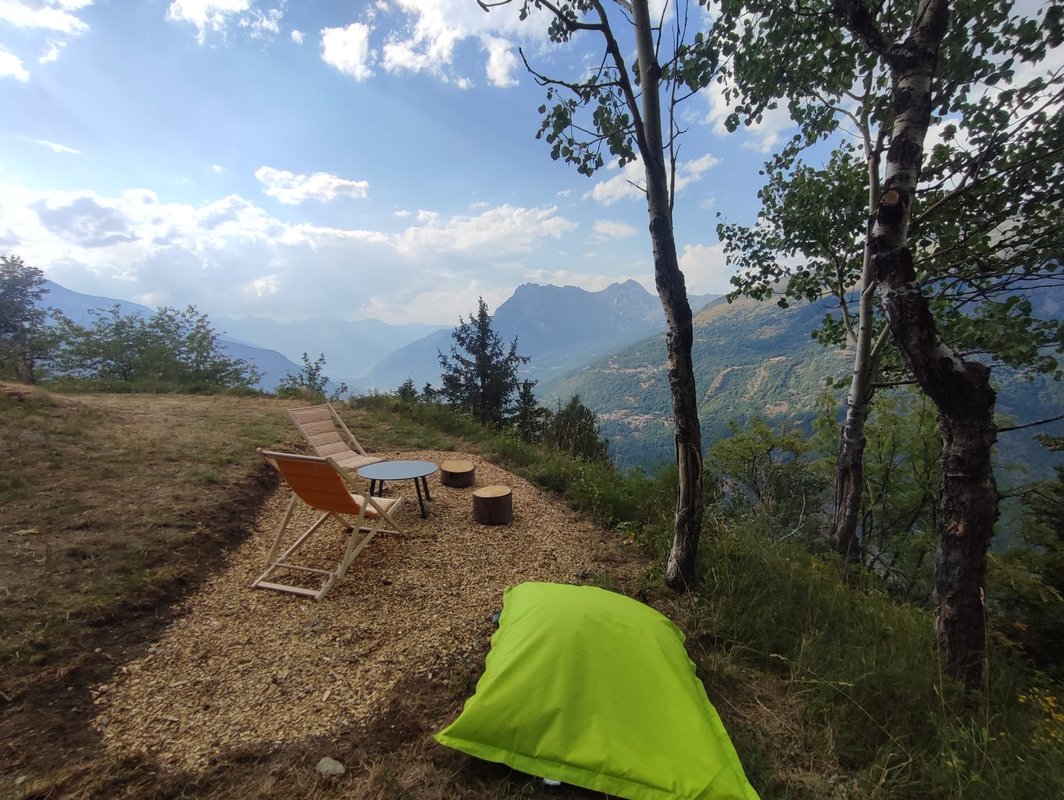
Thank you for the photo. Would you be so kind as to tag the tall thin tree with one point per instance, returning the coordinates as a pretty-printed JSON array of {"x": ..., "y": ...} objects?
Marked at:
[{"x": 625, "y": 120}]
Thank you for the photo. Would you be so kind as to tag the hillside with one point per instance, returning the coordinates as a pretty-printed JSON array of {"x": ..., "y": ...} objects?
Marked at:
[
  {"x": 756, "y": 359},
  {"x": 750, "y": 359}
]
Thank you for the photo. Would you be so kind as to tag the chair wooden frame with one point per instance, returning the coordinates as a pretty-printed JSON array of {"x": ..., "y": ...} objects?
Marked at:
[
  {"x": 324, "y": 485},
  {"x": 327, "y": 436}
]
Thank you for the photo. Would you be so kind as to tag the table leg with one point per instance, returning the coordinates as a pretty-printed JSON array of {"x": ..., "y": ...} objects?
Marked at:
[
  {"x": 420, "y": 499},
  {"x": 425, "y": 486}
]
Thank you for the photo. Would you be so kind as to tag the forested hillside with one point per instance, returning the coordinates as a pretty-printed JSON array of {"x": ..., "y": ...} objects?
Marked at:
[{"x": 755, "y": 359}]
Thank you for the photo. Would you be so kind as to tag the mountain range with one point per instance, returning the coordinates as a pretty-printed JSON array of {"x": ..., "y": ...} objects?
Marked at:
[
  {"x": 559, "y": 328},
  {"x": 751, "y": 359}
]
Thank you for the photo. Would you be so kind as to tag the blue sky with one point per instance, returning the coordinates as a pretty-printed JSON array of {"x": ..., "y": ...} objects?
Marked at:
[{"x": 295, "y": 159}]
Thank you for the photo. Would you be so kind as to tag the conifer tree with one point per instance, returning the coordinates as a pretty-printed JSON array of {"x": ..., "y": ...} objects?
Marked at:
[{"x": 480, "y": 374}]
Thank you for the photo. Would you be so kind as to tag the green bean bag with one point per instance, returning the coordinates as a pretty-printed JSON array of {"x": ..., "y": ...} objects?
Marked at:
[{"x": 595, "y": 689}]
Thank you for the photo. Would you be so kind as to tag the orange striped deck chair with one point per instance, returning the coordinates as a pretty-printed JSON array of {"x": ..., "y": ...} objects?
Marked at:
[
  {"x": 327, "y": 436},
  {"x": 323, "y": 485}
]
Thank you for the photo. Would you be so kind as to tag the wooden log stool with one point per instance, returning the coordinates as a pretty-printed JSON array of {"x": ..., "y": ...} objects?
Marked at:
[
  {"x": 458, "y": 473},
  {"x": 493, "y": 505}
]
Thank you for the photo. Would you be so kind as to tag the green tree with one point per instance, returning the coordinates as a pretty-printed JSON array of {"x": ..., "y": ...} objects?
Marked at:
[
  {"x": 1026, "y": 597},
  {"x": 109, "y": 349},
  {"x": 769, "y": 475},
  {"x": 900, "y": 487},
  {"x": 939, "y": 234},
  {"x": 407, "y": 391},
  {"x": 310, "y": 382},
  {"x": 480, "y": 374},
  {"x": 573, "y": 429},
  {"x": 171, "y": 349},
  {"x": 529, "y": 418},
  {"x": 25, "y": 338},
  {"x": 616, "y": 109}
]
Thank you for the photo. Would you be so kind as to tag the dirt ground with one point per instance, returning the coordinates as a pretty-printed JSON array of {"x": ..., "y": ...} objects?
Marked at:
[{"x": 247, "y": 668}]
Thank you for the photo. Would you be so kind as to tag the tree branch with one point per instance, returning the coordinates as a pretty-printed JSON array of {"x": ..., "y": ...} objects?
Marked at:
[{"x": 1031, "y": 424}]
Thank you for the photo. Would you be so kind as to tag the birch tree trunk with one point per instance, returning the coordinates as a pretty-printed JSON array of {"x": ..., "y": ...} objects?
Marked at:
[
  {"x": 849, "y": 466},
  {"x": 679, "y": 334},
  {"x": 959, "y": 388}
]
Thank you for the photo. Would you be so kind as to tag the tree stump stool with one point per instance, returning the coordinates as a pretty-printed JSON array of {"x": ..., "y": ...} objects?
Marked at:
[
  {"x": 493, "y": 505},
  {"x": 458, "y": 473}
]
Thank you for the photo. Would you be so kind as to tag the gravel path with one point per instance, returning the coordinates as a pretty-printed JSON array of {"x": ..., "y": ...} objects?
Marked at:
[{"x": 244, "y": 667}]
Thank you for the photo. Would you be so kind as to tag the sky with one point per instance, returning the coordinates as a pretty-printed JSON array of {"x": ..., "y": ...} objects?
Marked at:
[{"x": 299, "y": 159}]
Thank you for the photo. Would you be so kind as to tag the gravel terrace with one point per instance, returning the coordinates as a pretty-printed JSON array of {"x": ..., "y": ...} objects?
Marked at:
[{"x": 253, "y": 667}]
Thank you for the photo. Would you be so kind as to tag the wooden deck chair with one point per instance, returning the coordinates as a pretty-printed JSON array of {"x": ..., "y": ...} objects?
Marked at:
[
  {"x": 328, "y": 437},
  {"x": 324, "y": 485}
]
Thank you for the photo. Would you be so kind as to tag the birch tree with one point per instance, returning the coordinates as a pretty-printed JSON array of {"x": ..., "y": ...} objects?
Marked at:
[
  {"x": 888, "y": 70},
  {"x": 615, "y": 111}
]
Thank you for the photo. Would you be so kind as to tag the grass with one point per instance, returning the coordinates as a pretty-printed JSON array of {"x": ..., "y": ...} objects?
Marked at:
[
  {"x": 116, "y": 506},
  {"x": 106, "y": 489}
]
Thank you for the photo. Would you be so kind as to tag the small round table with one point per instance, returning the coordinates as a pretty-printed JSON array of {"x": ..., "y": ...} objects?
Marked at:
[{"x": 416, "y": 471}]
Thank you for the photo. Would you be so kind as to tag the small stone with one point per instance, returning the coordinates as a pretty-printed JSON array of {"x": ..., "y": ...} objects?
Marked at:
[
  {"x": 330, "y": 766},
  {"x": 21, "y": 779}
]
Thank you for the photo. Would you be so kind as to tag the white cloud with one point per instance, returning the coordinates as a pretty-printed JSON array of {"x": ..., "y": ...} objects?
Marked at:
[
  {"x": 502, "y": 230},
  {"x": 347, "y": 49},
  {"x": 625, "y": 185},
  {"x": 52, "y": 53},
  {"x": 628, "y": 183},
  {"x": 705, "y": 269},
  {"x": 293, "y": 189},
  {"x": 688, "y": 172},
  {"x": 428, "y": 42},
  {"x": 606, "y": 230},
  {"x": 762, "y": 136},
  {"x": 215, "y": 16},
  {"x": 217, "y": 169},
  {"x": 696, "y": 167},
  {"x": 54, "y": 15},
  {"x": 297, "y": 37},
  {"x": 263, "y": 286},
  {"x": 55, "y": 147},
  {"x": 434, "y": 30},
  {"x": 11, "y": 67},
  {"x": 502, "y": 63},
  {"x": 263, "y": 24},
  {"x": 206, "y": 15},
  {"x": 230, "y": 256}
]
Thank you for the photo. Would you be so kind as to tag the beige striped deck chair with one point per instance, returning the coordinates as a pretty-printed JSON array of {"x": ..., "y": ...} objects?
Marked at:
[
  {"x": 324, "y": 485},
  {"x": 328, "y": 437}
]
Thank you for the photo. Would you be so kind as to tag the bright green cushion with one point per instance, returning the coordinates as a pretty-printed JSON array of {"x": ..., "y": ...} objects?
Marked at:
[{"x": 595, "y": 689}]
